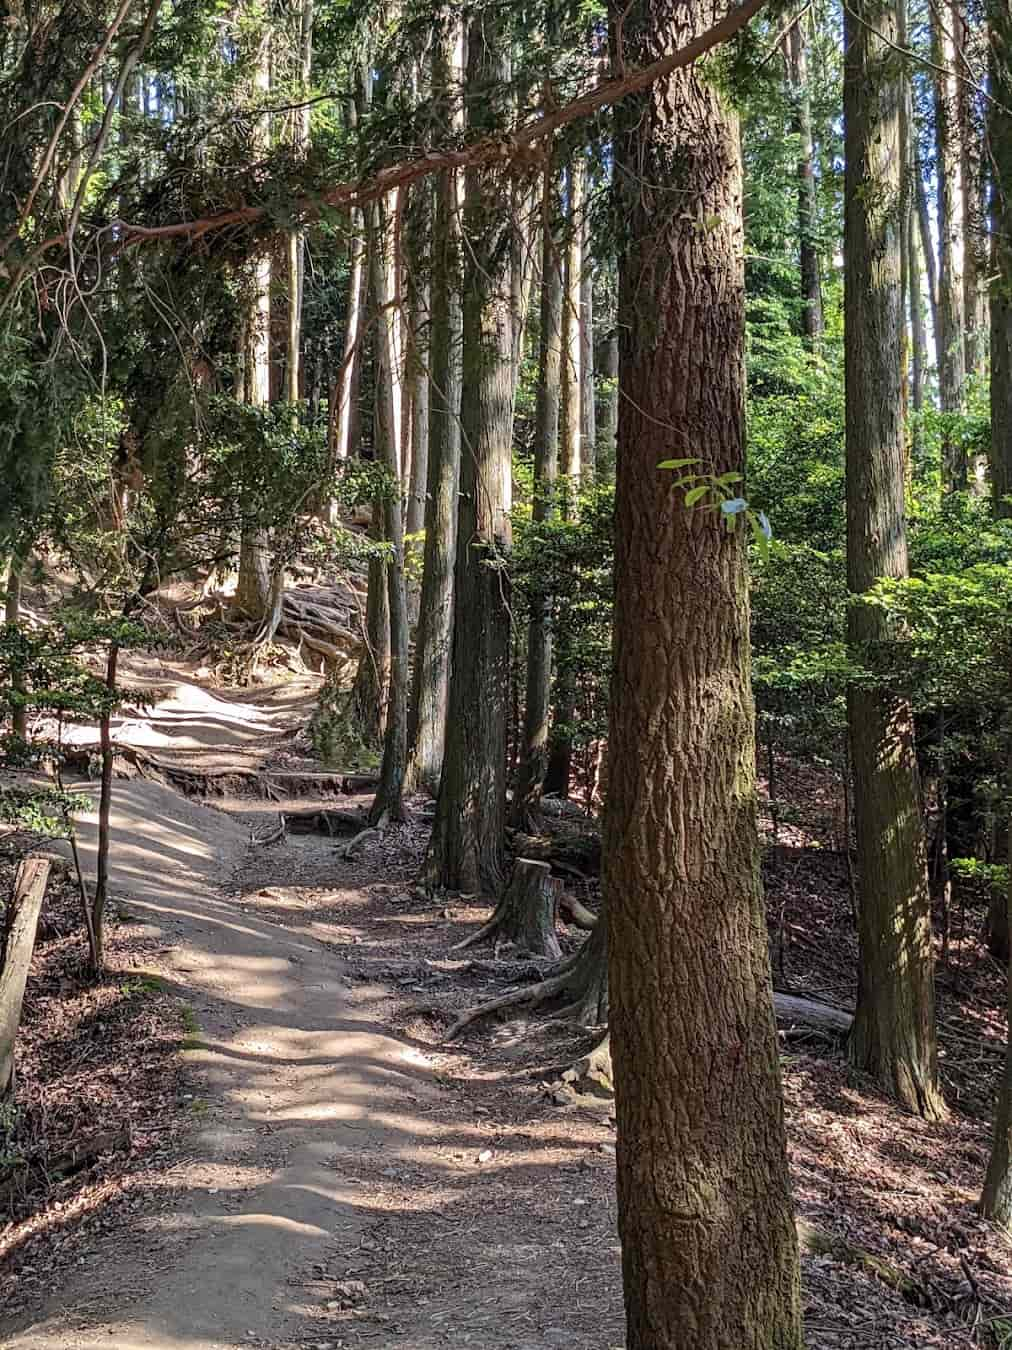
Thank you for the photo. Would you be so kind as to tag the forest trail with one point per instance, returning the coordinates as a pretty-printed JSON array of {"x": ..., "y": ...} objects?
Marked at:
[{"x": 295, "y": 1070}]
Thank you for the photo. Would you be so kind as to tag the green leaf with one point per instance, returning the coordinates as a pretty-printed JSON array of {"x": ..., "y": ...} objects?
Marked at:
[
  {"x": 676, "y": 463},
  {"x": 694, "y": 495}
]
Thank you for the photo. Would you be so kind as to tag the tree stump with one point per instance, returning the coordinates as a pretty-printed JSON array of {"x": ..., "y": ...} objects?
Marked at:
[
  {"x": 525, "y": 917},
  {"x": 20, "y": 923}
]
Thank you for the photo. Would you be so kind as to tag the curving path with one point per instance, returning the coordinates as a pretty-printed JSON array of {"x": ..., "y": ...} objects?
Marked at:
[{"x": 296, "y": 1072}]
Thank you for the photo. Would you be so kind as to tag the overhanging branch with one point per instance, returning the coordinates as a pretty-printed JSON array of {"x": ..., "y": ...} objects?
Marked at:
[{"x": 488, "y": 151}]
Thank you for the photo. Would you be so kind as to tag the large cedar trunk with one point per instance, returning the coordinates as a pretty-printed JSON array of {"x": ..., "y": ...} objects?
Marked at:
[
  {"x": 996, "y": 1198},
  {"x": 894, "y": 1035},
  {"x": 1000, "y": 148},
  {"x": 709, "y": 1251},
  {"x": 466, "y": 851},
  {"x": 431, "y": 676}
]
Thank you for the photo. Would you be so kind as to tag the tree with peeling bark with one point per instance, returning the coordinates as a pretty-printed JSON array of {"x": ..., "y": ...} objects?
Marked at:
[
  {"x": 709, "y": 1252},
  {"x": 894, "y": 1029}
]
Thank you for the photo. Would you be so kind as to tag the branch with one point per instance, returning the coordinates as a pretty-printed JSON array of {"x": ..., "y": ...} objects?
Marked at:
[{"x": 489, "y": 150}]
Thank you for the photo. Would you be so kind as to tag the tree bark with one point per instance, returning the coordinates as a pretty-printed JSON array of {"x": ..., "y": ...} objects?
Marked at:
[
  {"x": 466, "y": 850},
  {"x": 572, "y": 348},
  {"x": 1000, "y": 150},
  {"x": 951, "y": 335},
  {"x": 894, "y": 1028},
  {"x": 588, "y": 411},
  {"x": 709, "y": 1252},
  {"x": 537, "y": 702},
  {"x": 812, "y": 324},
  {"x": 297, "y": 239},
  {"x": 372, "y": 678},
  {"x": 927, "y": 247},
  {"x": 389, "y": 800},
  {"x": 254, "y": 588},
  {"x": 96, "y": 931},
  {"x": 434, "y": 639},
  {"x": 996, "y": 1198},
  {"x": 21, "y": 920},
  {"x": 971, "y": 39}
]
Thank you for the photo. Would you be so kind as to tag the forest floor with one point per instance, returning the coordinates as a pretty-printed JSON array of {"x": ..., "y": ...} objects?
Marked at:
[{"x": 289, "y": 1154}]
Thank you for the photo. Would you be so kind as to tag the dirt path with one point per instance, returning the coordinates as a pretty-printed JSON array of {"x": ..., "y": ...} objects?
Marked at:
[{"x": 298, "y": 1075}]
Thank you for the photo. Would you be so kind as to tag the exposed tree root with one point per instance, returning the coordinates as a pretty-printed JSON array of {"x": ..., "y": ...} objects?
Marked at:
[
  {"x": 577, "y": 989},
  {"x": 576, "y": 914}
]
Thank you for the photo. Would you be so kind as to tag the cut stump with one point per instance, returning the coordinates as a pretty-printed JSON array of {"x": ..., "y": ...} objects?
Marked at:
[{"x": 525, "y": 917}]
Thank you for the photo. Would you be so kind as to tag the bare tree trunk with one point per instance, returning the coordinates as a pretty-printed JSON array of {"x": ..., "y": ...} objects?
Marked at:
[
  {"x": 918, "y": 336},
  {"x": 96, "y": 931},
  {"x": 927, "y": 249},
  {"x": 297, "y": 239},
  {"x": 339, "y": 428},
  {"x": 389, "y": 800},
  {"x": 709, "y": 1252},
  {"x": 894, "y": 1030},
  {"x": 525, "y": 917},
  {"x": 951, "y": 335},
  {"x": 609, "y": 402},
  {"x": 434, "y": 640},
  {"x": 12, "y": 615},
  {"x": 254, "y": 588},
  {"x": 21, "y": 919},
  {"x": 572, "y": 348},
  {"x": 537, "y": 705},
  {"x": 1000, "y": 151},
  {"x": 559, "y": 772},
  {"x": 808, "y": 230},
  {"x": 466, "y": 850},
  {"x": 971, "y": 40},
  {"x": 588, "y": 411}
]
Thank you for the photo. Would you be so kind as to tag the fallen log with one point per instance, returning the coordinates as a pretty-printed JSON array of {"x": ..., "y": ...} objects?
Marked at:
[
  {"x": 804, "y": 1016},
  {"x": 816, "y": 1242},
  {"x": 311, "y": 820}
]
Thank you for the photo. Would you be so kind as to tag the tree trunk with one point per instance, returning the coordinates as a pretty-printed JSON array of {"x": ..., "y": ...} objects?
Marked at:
[
  {"x": 572, "y": 347},
  {"x": 96, "y": 931},
  {"x": 996, "y": 1198},
  {"x": 894, "y": 1028},
  {"x": 588, "y": 418},
  {"x": 21, "y": 920},
  {"x": 927, "y": 248},
  {"x": 342, "y": 394},
  {"x": 608, "y": 421},
  {"x": 808, "y": 238},
  {"x": 12, "y": 615},
  {"x": 434, "y": 639},
  {"x": 918, "y": 336},
  {"x": 254, "y": 588},
  {"x": 525, "y": 917},
  {"x": 1000, "y": 151},
  {"x": 466, "y": 850},
  {"x": 709, "y": 1252},
  {"x": 537, "y": 704},
  {"x": 971, "y": 38},
  {"x": 372, "y": 678},
  {"x": 297, "y": 239},
  {"x": 951, "y": 335},
  {"x": 389, "y": 800}
]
